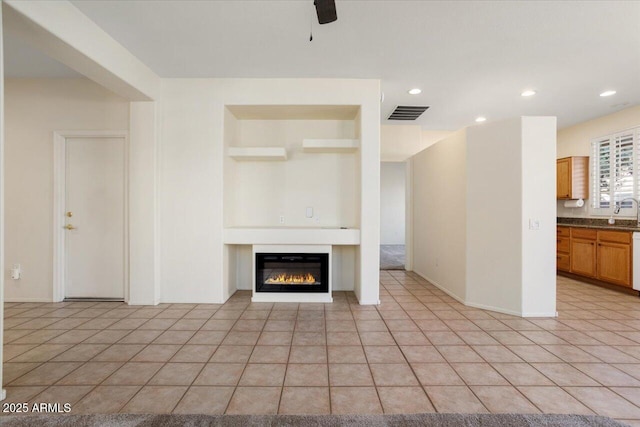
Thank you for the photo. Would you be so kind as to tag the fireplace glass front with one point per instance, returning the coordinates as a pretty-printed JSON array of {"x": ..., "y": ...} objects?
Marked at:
[{"x": 292, "y": 272}]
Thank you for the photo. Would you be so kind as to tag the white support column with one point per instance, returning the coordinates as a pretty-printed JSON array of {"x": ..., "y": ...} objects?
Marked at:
[
  {"x": 143, "y": 205},
  {"x": 368, "y": 286},
  {"x": 408, "y": 240},
  {"x": 3, "y": 393}
]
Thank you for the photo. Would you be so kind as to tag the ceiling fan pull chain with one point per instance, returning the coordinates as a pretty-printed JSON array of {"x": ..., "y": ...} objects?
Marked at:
[{"x": 311, "y": 25}]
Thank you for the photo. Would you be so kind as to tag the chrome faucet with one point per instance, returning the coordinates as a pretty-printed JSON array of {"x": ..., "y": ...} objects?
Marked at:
[{"x": 617, "y": 209}]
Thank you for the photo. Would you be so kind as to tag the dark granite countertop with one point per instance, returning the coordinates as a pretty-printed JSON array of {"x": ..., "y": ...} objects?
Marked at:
[{"x": 621, "y": 224}]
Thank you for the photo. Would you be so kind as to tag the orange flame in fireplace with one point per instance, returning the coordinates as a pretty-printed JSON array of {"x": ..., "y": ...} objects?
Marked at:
[{"x": 292, "y": 279}]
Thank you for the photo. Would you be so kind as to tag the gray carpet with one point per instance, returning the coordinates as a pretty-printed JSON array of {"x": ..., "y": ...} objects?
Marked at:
[
  {"x": 436, "y": 420},
  {"x": 392, "y": 257}
]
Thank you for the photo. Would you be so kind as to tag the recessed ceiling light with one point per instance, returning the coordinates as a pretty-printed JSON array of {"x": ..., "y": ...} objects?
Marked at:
[
  {"x": 528, "y": 93},
  {"x": 481, "y": 119},
  {"x": 608, "y": 93},
  {"x": 415, "y": 91}
]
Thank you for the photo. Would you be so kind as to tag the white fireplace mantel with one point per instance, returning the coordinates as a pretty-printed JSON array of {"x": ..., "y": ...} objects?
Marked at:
[{"x": 291, "y": 236}]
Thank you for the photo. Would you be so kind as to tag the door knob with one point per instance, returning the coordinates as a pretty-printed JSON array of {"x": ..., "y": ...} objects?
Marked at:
[{"x": 69, "y": 227}]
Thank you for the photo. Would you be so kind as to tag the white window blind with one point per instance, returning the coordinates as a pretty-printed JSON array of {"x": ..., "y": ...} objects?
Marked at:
[{"x": 615, "y": 169}]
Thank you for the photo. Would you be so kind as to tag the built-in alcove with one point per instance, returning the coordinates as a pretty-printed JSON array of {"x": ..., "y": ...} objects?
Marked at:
[
  {"x": 292, "y": 177},
  {"x": 324, "y": 178}
]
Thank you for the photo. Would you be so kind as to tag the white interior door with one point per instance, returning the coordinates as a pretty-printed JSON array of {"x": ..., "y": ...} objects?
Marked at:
[{"x": 94, "y": 217}]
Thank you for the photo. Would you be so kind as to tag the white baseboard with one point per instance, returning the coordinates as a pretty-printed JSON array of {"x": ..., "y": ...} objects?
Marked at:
[
  {"x": 442, "y": 288},
  {"x": 543, "y": 314},
  {"x": 3, "y": 394},
  {"x": 192, "y": 301},
  {"x": 28, "y": 300},
  {"x": 142, "y": 302},
  {"x": 496, "y": 309},
  {"x": 472, "y": 304}
]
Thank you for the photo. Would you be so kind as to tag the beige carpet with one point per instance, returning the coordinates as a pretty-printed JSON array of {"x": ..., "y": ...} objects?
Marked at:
[
  {"x": 436, "y": 420},
  {"x": 392, "y": 257}
]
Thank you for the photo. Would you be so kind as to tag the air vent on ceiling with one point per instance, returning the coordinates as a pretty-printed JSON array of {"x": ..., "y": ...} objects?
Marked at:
[{"x": 407, "y": 112}]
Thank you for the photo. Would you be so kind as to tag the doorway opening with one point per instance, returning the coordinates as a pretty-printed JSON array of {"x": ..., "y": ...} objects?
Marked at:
[{"x": 393, "y": 215}]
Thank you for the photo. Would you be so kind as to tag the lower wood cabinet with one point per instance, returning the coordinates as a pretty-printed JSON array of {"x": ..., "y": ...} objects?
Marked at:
[
  {"x": 563, "y": 262},
  {"x": 614, "y": 263},
  {"x": 563, "y": 249},
  {"x": 583, "y": 257},
  {"x": 599, "y": 254}
]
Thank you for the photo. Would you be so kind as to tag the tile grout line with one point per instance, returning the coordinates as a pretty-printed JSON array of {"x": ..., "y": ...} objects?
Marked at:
[
  {"x": 100, "y": 384},
  {"x": 145, "y": 346},
  {"x": 50, "y": 360}
]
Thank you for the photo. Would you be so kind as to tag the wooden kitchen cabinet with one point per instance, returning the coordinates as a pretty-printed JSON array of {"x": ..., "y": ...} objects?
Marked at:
[
  {"x": 572, "y": 178},
  {"x": 602, "y": 255},
  {"x": 614, "y": 257},
  {"x": 563, "y": 249},
  {"x": 583, "y": 257}
]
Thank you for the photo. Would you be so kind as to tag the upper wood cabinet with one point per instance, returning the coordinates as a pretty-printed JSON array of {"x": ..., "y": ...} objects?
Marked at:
[{"x": 572, "y": 180}]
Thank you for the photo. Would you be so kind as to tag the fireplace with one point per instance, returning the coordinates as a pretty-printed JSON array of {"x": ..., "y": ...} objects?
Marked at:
[{"x": 292, "y": 272}]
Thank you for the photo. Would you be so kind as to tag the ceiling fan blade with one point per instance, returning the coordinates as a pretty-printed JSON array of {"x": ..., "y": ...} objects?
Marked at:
[{"x": 326, "y": 10}]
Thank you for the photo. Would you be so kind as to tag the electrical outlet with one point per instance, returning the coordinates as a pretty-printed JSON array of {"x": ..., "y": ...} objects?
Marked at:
[
  {"x": 534, "y": 224},
  {"x": 16, "y": 272},
  {"x": 281, "y": 219}
]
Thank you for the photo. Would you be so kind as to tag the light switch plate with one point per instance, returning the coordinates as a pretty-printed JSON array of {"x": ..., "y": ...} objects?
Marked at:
[
  {"x": 309, "y": 212},
  {"x": 534, "y": 224}
]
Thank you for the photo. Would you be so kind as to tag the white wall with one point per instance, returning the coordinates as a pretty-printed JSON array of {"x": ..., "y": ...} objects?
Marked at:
[
  {"x": 400, "y": 142},
  {"x": 35, "y": 108},
  {"x": 576, "y": 141},
  {"x": 193, "y": 176},
  {"x": 262, "y": 191},
  {"x": 439, "y": 214},
  {"x": 474, "y": 194},
  {"x": 392, "y": 203},
  {"x": 494, "y": 215},
  {"x": 511, "y": 179}
]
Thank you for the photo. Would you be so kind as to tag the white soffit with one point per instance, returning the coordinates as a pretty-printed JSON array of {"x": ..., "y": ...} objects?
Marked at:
[
  {"x": 294, "y": 112},
  {"x": 23, "y": 61}
]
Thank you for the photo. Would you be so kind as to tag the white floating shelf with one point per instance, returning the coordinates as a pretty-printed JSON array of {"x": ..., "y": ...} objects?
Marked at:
[
  {"x": 257, "y": 153},
  {"x": 330, "y": 145}
]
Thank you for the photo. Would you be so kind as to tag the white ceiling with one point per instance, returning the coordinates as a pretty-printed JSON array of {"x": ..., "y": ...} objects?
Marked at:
[{"x": 469, "y": 58}]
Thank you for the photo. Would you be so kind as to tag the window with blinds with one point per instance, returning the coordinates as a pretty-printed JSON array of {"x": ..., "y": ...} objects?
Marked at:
[{"x": 615, "y": 161}]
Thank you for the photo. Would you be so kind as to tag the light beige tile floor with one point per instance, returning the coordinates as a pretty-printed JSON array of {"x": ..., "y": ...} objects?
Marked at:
[{"x": 419, "y": 351}]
